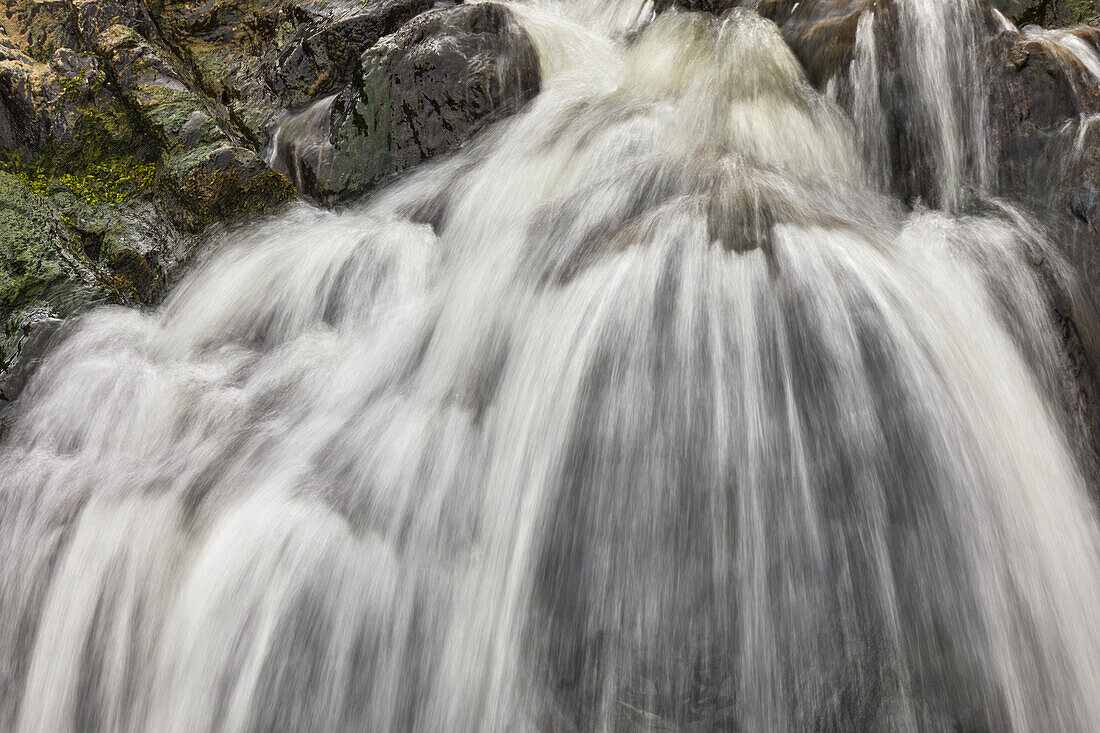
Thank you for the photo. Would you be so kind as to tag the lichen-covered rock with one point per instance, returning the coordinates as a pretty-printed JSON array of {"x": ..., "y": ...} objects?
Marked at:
[
  {"x": 323, "y": 54},
  {"x": 225, "y": 46},
  {"x": 111, "y": 165},
  {"x": 151, "y": 86},
  {"x": 44, "y": 274},
  {"x": 423, "y": 91},
  {"x": 209, "y": 173},
  {"x": 227, "y": 181},
  {"x": 36, "y": 266},
  {"x": 95, "y": 16}
]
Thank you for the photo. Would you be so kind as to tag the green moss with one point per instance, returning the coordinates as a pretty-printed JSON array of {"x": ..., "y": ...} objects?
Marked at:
[
  {"x": 109, "y": 182},
  {"x": 33, "y": 266},
  {"x": 1080, "y": 12}
]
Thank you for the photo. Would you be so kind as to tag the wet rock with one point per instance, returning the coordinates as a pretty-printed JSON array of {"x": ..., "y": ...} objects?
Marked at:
[
  {"x": 224, "y": 46},
  {"x": 1043, "y": 109},
  {"x": 26, "y": 337},
  {"x": 425, "y": 90},
  {"x": 1085, "y": 205},
  {"x": 702, "y": 6},
  {"x": 323, "y": 54},
  {"x": 40, "y": 276},
  {"x": 1050, "y": 13},
  {"x": 1038, "y": 95}
]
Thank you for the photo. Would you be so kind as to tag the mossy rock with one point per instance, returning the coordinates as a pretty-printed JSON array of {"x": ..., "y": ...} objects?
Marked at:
[
  {"x": 226, "y": 182},
  {"x": 39, "y": 276},
  {"x": 33, "y": 263},
  {"x": 1050, "y": 13}
]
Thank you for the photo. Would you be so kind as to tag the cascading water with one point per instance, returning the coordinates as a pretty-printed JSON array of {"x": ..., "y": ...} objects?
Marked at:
[
  {"x": 918, "y": 83},
  {"x": 644, "y": 412}
]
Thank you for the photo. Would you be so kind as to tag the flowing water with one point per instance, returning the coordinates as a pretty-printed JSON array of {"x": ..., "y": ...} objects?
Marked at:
[
  {"x": 918, "y": 85},
  {"x": 643, "y": 412}
]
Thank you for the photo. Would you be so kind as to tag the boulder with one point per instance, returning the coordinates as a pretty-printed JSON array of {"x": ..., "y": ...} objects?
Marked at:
[
  {"x": 423, "y": 91},
  {"x": 323, "y": 54}
]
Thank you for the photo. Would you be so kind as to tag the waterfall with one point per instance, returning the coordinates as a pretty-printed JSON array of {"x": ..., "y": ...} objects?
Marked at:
[
  {"x": 646, "y": 410},
  {"x": 932, "y": 97}
]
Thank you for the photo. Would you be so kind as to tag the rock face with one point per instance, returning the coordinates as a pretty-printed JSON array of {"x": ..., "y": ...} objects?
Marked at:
[
  {"x": 106, "y": 157},
  {"x": 1049, "y": 12},
  {"x": 127, "y": 127},
  {"x": 1043, "y": 127},
  {"x": 423, "y": 91},
  {"x": 323, "y": 53}
]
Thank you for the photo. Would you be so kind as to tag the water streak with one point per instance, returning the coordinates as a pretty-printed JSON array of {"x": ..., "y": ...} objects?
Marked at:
[{"x": 643, "y": 412}]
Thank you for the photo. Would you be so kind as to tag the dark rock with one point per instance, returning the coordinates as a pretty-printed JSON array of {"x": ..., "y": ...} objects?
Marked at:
[
  {"x": 1048, "y": 154},
  {"x": 322, "y": 55},
  {"x": 425, "y": 90},
  {"x": 28, "y": 335},
  {"x": 1038, "y": 93},
  {"x": 1050, "y": 13},
  {"x": 702, "y": 6},
  {"x": 1085, "y": 205}
]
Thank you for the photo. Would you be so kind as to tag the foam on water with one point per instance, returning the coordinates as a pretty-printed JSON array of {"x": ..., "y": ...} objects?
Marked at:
[{"x": 643, "y": 412}]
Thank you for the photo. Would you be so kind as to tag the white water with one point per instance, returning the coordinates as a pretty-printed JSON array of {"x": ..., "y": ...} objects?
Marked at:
[
  {"x": 1069, "y": 43},
  {"x": 642, "y": 413},
  {"x": 927, "y": 77}
]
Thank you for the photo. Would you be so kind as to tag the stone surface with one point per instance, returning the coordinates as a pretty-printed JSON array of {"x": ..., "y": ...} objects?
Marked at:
[
  {"x": 323, "y": 54},
  {"x": 1050, "y": 13},
  {"x": 223, "y": 47},
  {"x": 425, "y": 90}
]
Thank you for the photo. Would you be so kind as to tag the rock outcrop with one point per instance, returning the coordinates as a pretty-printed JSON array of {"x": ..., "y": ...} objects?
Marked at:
[
  {"x": 423, "y": 91},
  {"x": 128, "y": 127},
  {"x": 1049, "y": 12}
]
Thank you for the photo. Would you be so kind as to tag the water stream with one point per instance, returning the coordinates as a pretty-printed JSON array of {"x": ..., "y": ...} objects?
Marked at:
[{"x": 645, "y": 411}]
